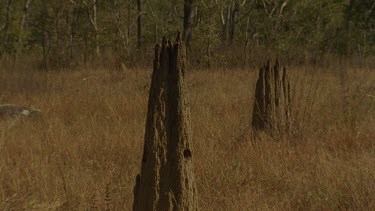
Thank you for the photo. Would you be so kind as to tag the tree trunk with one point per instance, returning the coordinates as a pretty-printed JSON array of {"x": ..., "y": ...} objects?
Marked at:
[
  {"x": 22, "y": 26},
  {"x": 154, "y": 21},
  {"x": 173, "y": 12},
  {"x": 5, "y": 26},
  {"x": 139, "y": 24},
  {"x": 226, "y": 26},
  {"x": 45, "y": 41},
  {"x": 348, "y": 25},
  {"x": 245, "y": 51},
  {"x": 188, "y": 14},
  {"x": 116, "y": 20},
  {"x": 93, "y": 19},
  {"x": 128, "y": 24},
  {"x": 8, "y": 11},
  {"x": 72, "y": 32},
  {"x": 95, "y": 24},
  {"x": 233, "y": 15}
]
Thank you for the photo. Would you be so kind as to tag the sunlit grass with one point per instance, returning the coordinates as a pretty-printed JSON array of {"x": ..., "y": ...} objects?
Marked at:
[{"x": 86, "y": 150}]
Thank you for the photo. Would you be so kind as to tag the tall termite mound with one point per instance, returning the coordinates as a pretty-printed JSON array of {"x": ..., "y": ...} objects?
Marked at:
[
  {"x": 167, "y": 180},
  {"x": 271, "y": 110}
]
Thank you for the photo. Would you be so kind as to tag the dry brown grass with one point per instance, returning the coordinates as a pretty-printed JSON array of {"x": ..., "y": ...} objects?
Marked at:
[{"x": 86, "y": 151}]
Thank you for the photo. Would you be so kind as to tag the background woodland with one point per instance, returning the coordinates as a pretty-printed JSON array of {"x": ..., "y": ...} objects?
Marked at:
[{"x": 67, "y": 33}]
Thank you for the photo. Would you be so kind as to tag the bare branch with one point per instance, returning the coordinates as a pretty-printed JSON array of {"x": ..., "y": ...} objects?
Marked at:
[
  {"x": 154, "y": 20},
  {"x": 243, "y": 3},
  {"x": 283, "y": 6},
  {"x": 222, "y": 16},
  {"x": 247, "y": 13},
  {"x": 265, "y": 7}
]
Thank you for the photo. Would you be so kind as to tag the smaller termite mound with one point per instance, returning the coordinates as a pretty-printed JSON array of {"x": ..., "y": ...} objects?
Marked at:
[
  {"x": 271, "y": 109},
  {"x": 166, "y": 181}
]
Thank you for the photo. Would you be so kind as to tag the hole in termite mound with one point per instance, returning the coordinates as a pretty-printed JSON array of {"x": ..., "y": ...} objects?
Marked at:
[{"x": 187, "y": 153}]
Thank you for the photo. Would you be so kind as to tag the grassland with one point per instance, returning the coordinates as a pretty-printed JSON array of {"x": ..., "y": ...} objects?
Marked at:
[{"x": 85, "y": 151}]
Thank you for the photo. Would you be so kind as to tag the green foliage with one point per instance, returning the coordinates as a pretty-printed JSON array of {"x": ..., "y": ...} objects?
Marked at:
[{"x": 66, "y": 31}]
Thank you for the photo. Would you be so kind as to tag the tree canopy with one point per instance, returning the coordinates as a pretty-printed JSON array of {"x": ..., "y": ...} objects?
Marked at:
[{"x": 62, "y": 33}]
